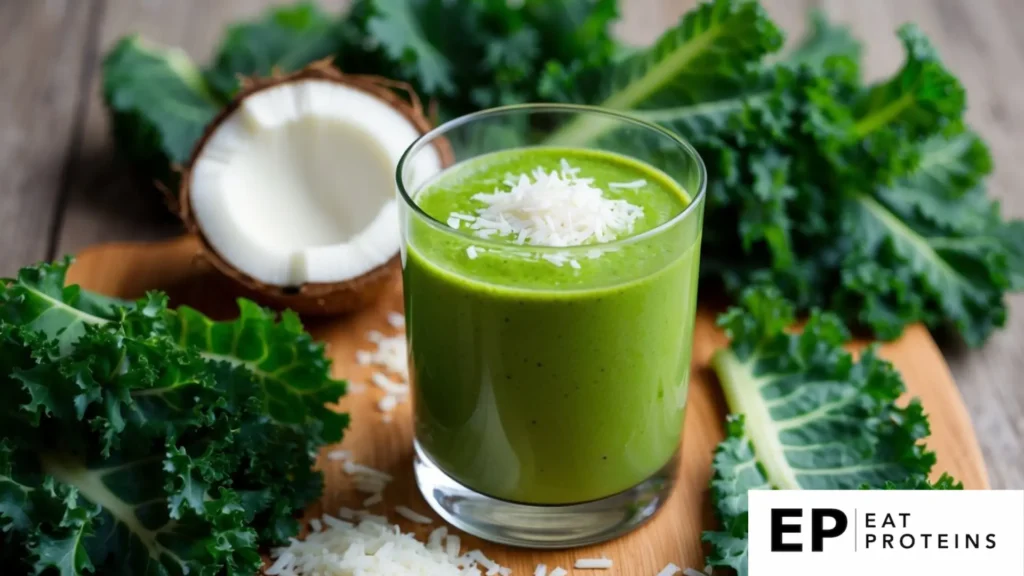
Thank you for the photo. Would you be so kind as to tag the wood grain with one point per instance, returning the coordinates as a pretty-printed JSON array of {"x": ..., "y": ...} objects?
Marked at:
[
  {"x": 46, "y": 59},
  {"x": 128, "y": 270}
]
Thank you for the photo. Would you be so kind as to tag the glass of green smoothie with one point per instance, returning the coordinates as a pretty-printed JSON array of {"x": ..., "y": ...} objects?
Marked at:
[{"x": 550, "y": 257}]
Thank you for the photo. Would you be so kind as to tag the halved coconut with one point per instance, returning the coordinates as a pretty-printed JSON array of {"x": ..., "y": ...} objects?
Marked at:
[{"x": 292, "y": 189}]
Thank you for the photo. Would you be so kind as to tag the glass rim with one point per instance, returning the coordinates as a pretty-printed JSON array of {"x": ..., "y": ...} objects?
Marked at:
[{"x": 426, "y": 139}]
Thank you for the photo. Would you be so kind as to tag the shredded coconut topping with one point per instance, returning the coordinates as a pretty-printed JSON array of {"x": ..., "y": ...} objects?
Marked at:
[
  {"x": 635, "y": 184},
  {"x": 556, "y": 208}
]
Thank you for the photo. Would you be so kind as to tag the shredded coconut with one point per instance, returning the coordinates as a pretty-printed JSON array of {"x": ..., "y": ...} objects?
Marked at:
[
  {"x": 391, "y": 354},
  {"x": 388, "y": 385},
  {"x": 633, "y": 185},
  {"x": 387, "y": 403},
  {"x": 452, "y": 545},
  {"x": 556, "y": 208},
  {"x": 593, "y": 564},
  {"x": 367, "y": 481},
  {"x": 671, "y": 570},
  {"x": 558, "y": 571},
  {"x": 396, "y": 319},
  {"x": 335, "y": 455},
  {"x": 371, "y": 547},
  {"x": 412, "y": 515},
  {"x": 472, "y": 252},
  {"x": 540, "y": 570},
  {"x": 435, "y": 538},
  {"x": 352, "y": 468},
  {"x": 478, "y": 557}
]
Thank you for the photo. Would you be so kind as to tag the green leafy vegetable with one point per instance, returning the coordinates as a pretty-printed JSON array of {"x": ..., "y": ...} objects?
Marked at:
[
  {"x": 813, "y": 417},
  {"x": 694, "y": 78},
  {"x": 495, "y": 57},
  {"x": 143, "y": 440},
  {"x": 932, "y": 248},
  {"x": 865, "y": 200},
  {"x": 285, "y": 39},
  {"x": 396, "y": 26},
  {"x": 159, "y": 103}
]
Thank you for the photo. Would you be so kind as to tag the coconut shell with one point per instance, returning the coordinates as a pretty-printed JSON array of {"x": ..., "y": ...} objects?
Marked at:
[{"x": 315, "y": 299}]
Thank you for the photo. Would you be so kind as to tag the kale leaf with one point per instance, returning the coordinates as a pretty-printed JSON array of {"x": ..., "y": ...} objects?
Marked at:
[
  {"x": 472, "y": 54},
  {"x": 695, "y": 79},
  {"x": 809, "y": 417},
  {"x": 143, "y": 440},
  {"x": 284, "y": 39},
  {"x": 160, "y": 105}
]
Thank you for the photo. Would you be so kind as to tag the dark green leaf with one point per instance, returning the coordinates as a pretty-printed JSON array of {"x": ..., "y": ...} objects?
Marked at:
[
  {"x": 932, "y": 247},
  {"x": 159, "y": 103},
  {"x": 148, "y": 441},
  {"x": 813, "y": 418},
  {"x": 284, "y": 39},
  {"x": 694, "y": 77},
  {"x": 395, "y": 24}
]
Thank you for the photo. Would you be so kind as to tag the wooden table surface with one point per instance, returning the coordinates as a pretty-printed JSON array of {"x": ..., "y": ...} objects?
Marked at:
[{"x": 60, "y": 189}]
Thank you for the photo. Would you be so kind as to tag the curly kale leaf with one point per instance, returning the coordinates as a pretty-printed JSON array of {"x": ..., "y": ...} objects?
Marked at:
[
  {"x": 160, "y": 105},
  {"x": 694, "y": 79},
  {"x": 495, "y": 57},
  {"x": 284, "y": 363},
  {"x": 808, "y": 417},
  {"x": 932, "y": 246},
  {"x": 921, "y": 100},
  {"x": 284, "y": 39},
  {"x": 867, "y": 202},
  {"x": 143, "y": 440},
  {"x": 398, "y": 26}
]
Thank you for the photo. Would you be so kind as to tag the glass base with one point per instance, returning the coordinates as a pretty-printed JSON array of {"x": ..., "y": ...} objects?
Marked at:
[{"x": 542, "y": 526}]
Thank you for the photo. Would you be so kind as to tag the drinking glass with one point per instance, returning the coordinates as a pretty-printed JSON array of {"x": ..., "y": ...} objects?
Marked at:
[{"x": 549, "y": 382}]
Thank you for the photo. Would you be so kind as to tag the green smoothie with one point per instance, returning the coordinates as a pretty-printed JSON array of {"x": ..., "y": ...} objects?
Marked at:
[{"x": 546, "y": 375}]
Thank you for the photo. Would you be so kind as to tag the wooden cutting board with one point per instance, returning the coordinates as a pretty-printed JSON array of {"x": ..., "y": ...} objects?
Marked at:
[{"x": 128, "y": 270}]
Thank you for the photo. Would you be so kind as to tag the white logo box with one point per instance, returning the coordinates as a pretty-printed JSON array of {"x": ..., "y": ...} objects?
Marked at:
[{"x": 897, "y": 533}]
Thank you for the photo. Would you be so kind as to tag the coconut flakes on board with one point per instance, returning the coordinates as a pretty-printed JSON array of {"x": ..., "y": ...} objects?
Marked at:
[{"x": 391, "y": 355}]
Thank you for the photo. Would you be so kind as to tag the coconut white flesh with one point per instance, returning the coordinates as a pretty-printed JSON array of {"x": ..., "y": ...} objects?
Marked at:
[{"x": 298, "y": 184}]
